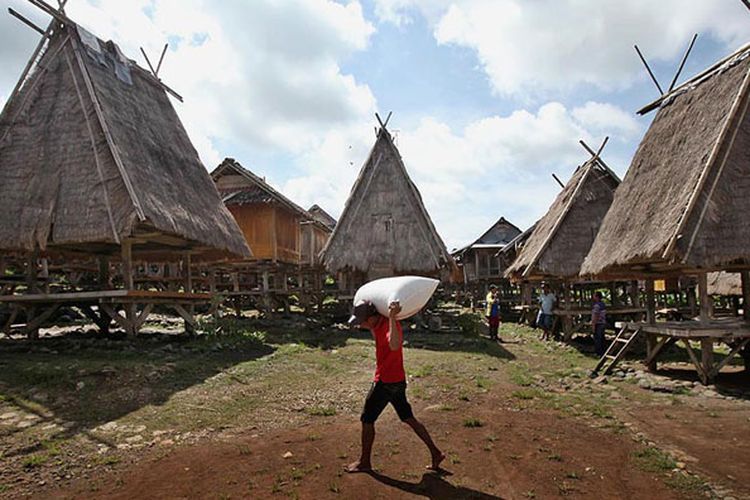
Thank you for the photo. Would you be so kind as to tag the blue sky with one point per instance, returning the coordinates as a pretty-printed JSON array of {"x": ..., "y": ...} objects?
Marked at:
[{"x": 489, "y": 97}]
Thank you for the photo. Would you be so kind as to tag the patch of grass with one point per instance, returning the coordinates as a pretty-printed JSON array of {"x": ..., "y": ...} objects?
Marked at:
[
  {"x": 529, "y": 494},
  {"x": 472, "y": 423},
  {"x": 297, "y": 474},
  {"x": 321, "y": 411},
  {"x": 482, "y": 383},
  {"x": 554, "y": 458},
  {"x": 652, "y": 459},
  {"x": 527, "y": 394},
  {"x": 572, "y": 475},
  {"x": 519, "y": 374},
  {"x": 333, "y": 487},
  {"x": 244, "y": 450},
  {"x": 423, "y": 371},
  {"x": 34, "y": 461},
  {"x": 687, "y": 484},
  {"x": 453, "y": 458},
  {"x": 445, "y": 407}
]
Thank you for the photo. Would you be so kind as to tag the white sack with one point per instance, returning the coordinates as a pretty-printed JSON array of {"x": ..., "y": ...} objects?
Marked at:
[{"x": 412, "y": 292}]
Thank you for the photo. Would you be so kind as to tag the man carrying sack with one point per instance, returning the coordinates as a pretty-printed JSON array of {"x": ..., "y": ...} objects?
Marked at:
[{"x": 389, "y": 382}]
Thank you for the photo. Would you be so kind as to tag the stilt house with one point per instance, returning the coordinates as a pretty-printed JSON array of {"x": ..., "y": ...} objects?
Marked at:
[
  {"x": 682, "y": 207},
  {"x": 277, "y": 229},
  {"x": 479, "y": 260},
  {"x": 561, "y": 239},
  {"x": 384, "y": 229},
  {"x": 97, "y": 165}
]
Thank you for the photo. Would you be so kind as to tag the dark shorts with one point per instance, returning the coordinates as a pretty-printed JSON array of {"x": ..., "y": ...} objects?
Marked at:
[
  {"x": 545, "y": 321},
  {"x": 378, "y": 398}
]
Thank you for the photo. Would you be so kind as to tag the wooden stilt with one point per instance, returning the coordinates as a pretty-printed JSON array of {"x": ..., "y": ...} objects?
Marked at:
[
  {"x": 650, "y": 302},
  {"x": 705, "y": 299},
  {"x": 188, "y": 270},
  {"x": 707, "y": 358},
  {"x": 567, "y": 320}
]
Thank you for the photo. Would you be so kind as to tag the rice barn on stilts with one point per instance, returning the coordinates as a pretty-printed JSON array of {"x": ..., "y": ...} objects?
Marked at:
[
  {"x": 285, "y": 238},
  {"x": 384, "y": 229},
  {"x": 682, "y": 209},
  {"x": 560, "y": 241},
  {"x": 100, "y": 178}
]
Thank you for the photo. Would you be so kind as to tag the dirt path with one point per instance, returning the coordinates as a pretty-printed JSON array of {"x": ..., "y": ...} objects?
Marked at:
[{"x": 513, "y": 454}]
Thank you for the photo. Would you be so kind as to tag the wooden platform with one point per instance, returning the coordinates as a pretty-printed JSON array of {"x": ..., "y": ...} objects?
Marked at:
[
  {"x": 735, "y": 332},
  {"x": 120, "y": 306}
]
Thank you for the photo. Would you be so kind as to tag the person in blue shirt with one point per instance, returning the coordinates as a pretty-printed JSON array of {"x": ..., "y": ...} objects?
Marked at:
[{"x": 598, "y": 323}]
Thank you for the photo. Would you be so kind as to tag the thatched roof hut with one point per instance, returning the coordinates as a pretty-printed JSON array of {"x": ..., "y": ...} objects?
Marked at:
[
  {"x": 562, "y": 238},
  {"x": 683, "y": 205},
  {"x": 92, "y": 153},
  {"x": 384, "y": 229}
]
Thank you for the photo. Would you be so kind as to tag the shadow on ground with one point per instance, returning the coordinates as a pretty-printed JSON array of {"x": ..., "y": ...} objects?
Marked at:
[
  {"x": 81, "y": 380},
  {"x": 433, "y": 486}
]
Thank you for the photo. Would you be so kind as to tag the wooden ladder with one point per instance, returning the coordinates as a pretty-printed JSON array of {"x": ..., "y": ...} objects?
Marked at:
[{"x": 616, "y": 350}]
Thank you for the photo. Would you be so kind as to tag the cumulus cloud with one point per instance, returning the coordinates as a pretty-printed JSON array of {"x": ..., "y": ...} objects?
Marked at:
[
  {"x": 527, "y": 48},
  {"x": 264, "y": 74},
  {"x": 498, "y": 165}
]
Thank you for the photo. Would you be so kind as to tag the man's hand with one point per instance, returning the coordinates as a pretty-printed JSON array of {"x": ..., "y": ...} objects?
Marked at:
[{"x": 393, "y": 309}]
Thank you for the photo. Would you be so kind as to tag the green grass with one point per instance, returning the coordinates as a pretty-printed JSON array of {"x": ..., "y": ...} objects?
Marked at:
[
  {"x": 519, "y": 374},
  {"x": 528, "y": 394},
  {"x": 473, "y": 423},
  {"x": 34, "y": 461},
  {"x": 652, "y": 459},
  {"x": 422, "y": 371},
  {"x": 321, "y": 411}
]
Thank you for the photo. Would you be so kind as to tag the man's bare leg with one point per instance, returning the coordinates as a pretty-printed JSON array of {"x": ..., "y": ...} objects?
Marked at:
[
  {"x": 421, "y": 431},
  {"x": 368, "y": 438}
]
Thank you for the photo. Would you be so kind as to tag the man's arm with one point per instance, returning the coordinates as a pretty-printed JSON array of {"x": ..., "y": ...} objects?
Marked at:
[
  {"x": 594, "y": 315},
  {"x": 394, "y": 336}
]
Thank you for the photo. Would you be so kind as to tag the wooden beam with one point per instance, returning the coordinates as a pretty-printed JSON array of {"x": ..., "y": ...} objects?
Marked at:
[
  {"x": 694, "y": 358},
  {"x": 705, "y": 311},
  {"x": 650, "y": 302},
  {"x": 745, "y": 277},
  {"x": 127, "y": 264},
  {"x": 707, "y": 357},
  {"x": 737, "y": 348}
]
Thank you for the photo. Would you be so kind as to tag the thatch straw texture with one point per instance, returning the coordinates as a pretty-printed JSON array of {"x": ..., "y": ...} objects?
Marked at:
[
  {"x": 724, "y": 283},
  {"x": 384, "y": 225},
  {"x": 684, "y": 202},
  {"x": 88, "y": 157},
  {"x": 562, "y": 238}
]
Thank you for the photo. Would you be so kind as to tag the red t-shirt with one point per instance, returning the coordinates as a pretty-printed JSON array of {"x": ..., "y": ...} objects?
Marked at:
[{"x": 390, "y": 366}]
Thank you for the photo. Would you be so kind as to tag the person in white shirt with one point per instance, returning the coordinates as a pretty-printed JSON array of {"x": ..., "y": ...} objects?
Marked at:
[{"x": 545, "y": 320}]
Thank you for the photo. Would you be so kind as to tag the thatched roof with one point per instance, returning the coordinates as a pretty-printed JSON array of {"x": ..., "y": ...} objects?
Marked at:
[
  {"x": 322, "y": 216},
  {"x": 562, "y": 238},
  {"x": 496, "y": 237},
  {"x": 92, "y": 152},
  {"x": 723, "y": 283},
  {"x": 384, "y": 224},
  {"x": 253, "y": 189},
  {"x": 684, "y": 202}
]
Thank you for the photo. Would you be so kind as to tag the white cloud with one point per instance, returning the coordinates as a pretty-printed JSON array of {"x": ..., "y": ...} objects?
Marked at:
[
  {"x": 498, "y": 165},
  {"x": 527, "y": 48},
  {"x": 264, "y": 74}
]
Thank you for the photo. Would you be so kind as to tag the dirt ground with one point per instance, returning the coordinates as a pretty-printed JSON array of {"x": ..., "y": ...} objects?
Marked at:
[
  {"x": 269, "y": 409},
  {"x": 515, "y": 454}
]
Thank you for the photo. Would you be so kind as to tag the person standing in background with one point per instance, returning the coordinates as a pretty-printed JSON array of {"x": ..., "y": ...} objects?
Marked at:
[
  {"x": 492, "y": 311},
  {"x": 598, "y": 323}
]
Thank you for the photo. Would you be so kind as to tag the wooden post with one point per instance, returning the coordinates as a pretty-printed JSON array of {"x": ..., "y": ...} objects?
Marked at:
[
  {"x": 32, "y": 287},
  {"x": 127, "y": 278},
  {"x": 705, "y": 312},
  {"x": 188, "y": 270},
  {"x": 127, "y": 264},
  {"x": 707, "y": 356},
  {"x": 691, "y": 301},
  {"x": 104, "y": 285},
  {"x": 745, "y": 276},
  {"x": 567, "y": 320},
  {"x": 650, "y": 302}
]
